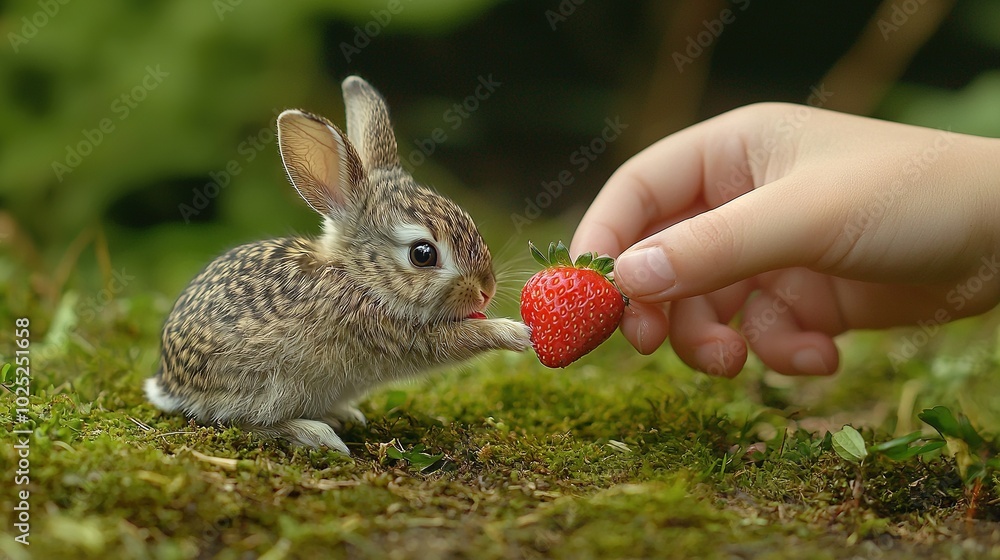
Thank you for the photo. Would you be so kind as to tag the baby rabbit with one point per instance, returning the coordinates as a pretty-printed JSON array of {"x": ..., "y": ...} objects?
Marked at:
[{"x": 282, "y": 336}]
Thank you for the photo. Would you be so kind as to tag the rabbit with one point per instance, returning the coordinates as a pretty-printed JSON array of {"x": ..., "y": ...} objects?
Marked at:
[{"x": 282, "y": 336}]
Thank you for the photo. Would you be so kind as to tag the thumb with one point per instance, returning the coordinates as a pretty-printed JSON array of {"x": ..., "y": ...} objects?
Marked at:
[{"x": 772, "y": 227}]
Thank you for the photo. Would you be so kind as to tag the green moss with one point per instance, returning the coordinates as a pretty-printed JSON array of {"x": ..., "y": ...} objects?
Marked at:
[{"x": 619, "y": 456}]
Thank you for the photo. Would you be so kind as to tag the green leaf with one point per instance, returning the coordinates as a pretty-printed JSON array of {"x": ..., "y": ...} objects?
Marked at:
[
  {"x": 903, "y": 441},
  {"x": 942, "y": 420},
  {"x": 415, "y": 457},
  {"x": 930, "y": 446},
  {"x": 604, "y": 265},
  {"x": 899, "y": 453},
  {"x": 3, "y": 373},
  {"x": 552, "y": 253},
  {"x": 969, "y": 434},
  {"x": 849, "y": 444},
  {"x": 423, "y": 461},
  {"x": 826, "y": 443},
  {"x": 584, "y": 260},
  {"x": 537, "y": 255},
  {"x": 562, "y": 255},
  {"x": 904, "y": 453}
]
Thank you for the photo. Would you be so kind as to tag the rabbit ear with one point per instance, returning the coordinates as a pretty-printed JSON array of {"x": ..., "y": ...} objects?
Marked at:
[
  {"x": 368, "y": 124},
  {"x": 321, "y": 163}
]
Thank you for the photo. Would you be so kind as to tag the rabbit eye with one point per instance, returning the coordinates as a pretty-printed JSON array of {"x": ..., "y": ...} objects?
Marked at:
[{"x": 423, "y": 254}]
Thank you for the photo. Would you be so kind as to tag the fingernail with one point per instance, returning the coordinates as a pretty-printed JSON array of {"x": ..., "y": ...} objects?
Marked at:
[
  {"x": 711, "y": 357},
  {"x": 644, "y": 272},
  {"x": 641, "y": 332},
  {"x": 809, "y": 362}
]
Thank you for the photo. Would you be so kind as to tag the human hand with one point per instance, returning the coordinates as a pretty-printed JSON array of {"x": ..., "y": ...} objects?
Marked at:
[{"x": 806, "y": 223}]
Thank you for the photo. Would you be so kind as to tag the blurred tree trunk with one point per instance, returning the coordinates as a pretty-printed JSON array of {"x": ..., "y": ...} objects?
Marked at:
[
  {"x": 861, "y": 78},
  {"x": 674, "y": 90}
]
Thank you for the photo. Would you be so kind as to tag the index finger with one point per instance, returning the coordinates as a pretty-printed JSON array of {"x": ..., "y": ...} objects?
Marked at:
[{"x": 665, "y": 179}]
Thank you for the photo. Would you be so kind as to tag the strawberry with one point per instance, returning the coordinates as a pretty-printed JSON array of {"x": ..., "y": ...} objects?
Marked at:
[{"x": 571, "y": 307}]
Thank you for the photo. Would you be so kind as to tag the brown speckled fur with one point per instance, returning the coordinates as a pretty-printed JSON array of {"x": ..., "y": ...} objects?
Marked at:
[{"x": 282, "y": 336}]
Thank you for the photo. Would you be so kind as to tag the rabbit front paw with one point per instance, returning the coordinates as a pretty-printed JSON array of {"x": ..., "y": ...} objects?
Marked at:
[{"x": 510, "y": 335}]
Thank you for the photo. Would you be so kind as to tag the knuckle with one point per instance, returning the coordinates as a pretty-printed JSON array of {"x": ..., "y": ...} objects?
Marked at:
[{"x": 714, "y": 237}]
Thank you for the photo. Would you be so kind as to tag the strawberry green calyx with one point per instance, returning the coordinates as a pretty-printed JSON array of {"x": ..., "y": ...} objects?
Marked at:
[{"x": 558, "y": 255}]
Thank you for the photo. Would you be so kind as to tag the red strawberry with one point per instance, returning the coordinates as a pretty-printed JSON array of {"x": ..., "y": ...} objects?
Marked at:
[{"x": 571, "y": 307}]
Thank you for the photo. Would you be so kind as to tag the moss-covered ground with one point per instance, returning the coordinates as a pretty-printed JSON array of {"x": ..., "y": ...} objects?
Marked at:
[{"x": 618, "y": 456}]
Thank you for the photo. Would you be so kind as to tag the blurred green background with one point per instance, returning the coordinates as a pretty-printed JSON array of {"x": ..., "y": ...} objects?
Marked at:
[{"x": 117, "y": 114}]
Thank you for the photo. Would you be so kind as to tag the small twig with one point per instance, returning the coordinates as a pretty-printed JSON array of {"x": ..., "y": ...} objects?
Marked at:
[
  {"x": 672, "y": 96},
  {"x": 970, "y": 514},
  {"x": 223, "y": 462},
  {"x": 143, "y": 426},
  {"x": 918, "y": 481},
  {"x": 858, "y": 488},
  {"x": 67, "y": 263},
  {"x": 327, "y": 484}
]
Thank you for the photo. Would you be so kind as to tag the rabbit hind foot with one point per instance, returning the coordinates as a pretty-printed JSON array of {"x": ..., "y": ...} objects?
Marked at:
[{"x": 303, "y": 432}]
